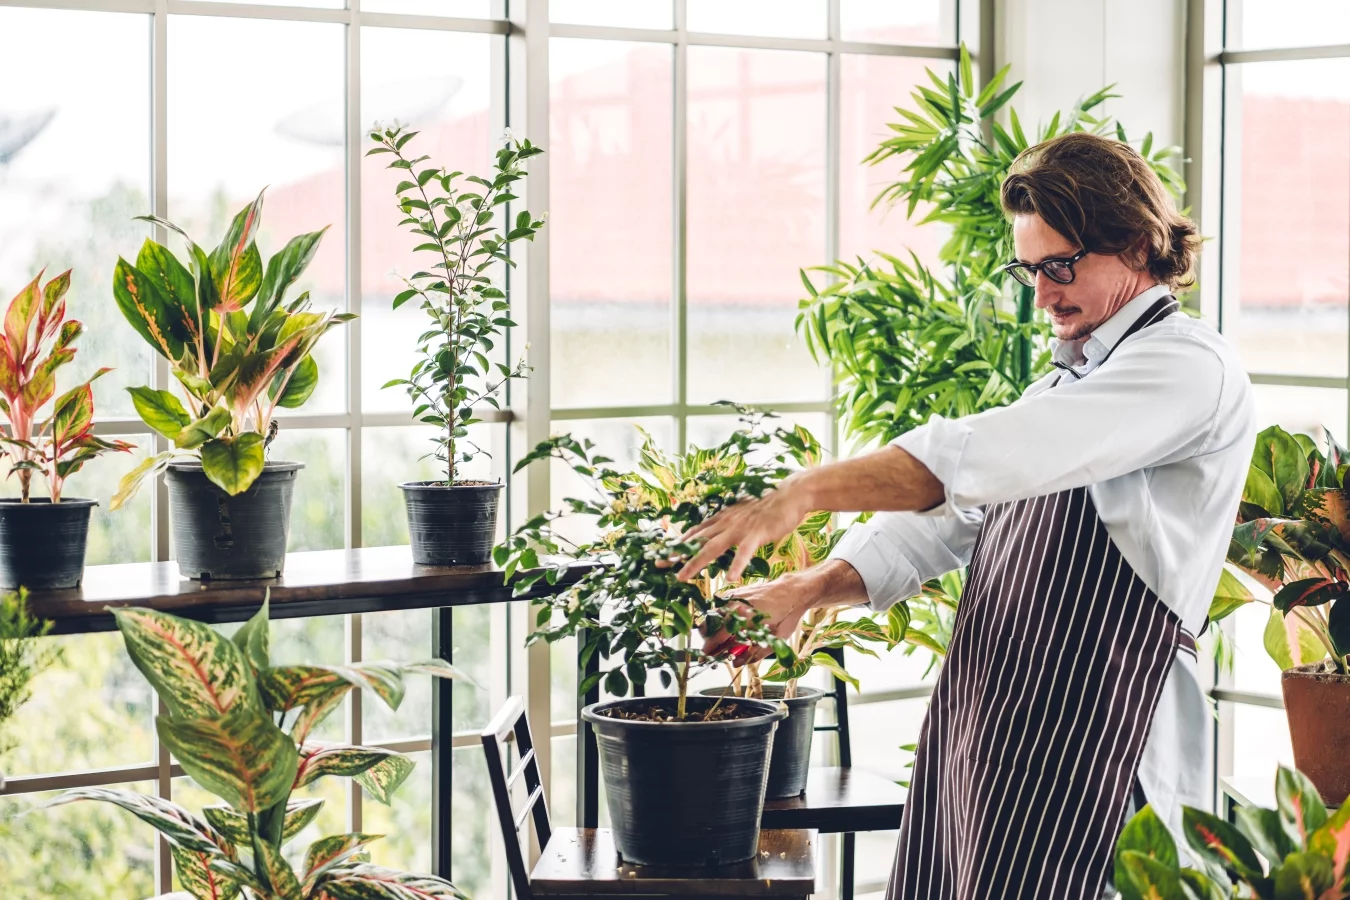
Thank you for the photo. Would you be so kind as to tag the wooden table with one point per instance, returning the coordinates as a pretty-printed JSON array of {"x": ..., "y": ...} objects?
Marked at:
[
  {"x": 319, "y": 583},
  {"x": 840, "y": 800},
  {"x": 582, "y": 863}
]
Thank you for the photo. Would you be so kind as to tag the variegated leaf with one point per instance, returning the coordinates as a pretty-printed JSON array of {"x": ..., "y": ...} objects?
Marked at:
[
  {"x": 233, "y": 824},
  {"x": 328, "y": 852},
  {"x": 1219, "y": 843},
  {"x": 285, "y": 884},
  {"x": 367, "y": 882},
  {"x": 237, "y": 873},
  {"x": 233, "y": 464},
  {"x": 1301, "y": 808},
  {"x": 179, "y": 827},
  {"x": 197, "y": 672},
  {"x": 19, "y": 316},
  {"x": 1332, "y": 840},
  {"x": 1150, "y": 878},
  {"x": 436, "y": 668},
  {"x": 200, "y": 880},
  {"x": 254, "y": 638},
  {"x": 377, "y": 770},
  {"x": 243, "y": 757},
  {"x": 1144, "y": 833}
]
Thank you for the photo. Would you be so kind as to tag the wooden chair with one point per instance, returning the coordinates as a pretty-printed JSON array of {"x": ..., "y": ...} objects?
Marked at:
[{"x": 583, "y": 864}]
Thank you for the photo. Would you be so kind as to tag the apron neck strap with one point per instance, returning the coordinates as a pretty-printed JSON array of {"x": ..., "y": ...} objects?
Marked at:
[{"x": 1160, "y": 310}]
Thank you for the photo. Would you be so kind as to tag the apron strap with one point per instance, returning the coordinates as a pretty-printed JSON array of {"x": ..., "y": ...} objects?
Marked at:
[{"x": 1160, "y": 310}]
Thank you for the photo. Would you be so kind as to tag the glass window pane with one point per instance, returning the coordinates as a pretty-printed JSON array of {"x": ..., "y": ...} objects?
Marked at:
[
  {"x": 911, "y": 22},
  {"x": 1253, "y": 669},
  {"x": 1256, "y": 24},
  {"x": 756, "y": 215},
  {"x": 318, "y": 510},
  {"x": 61, "y": 204},
  {"x": 467, "y": 9},
  {"x": 611, "y": 109},
  {"x": 767, "y": 18},
  {"x": 1260, "y": 739},
  {"x": 1287, "y": 229},
  {"x": 708, "y": 431},
  {"x": 870, "y": 88},
  {"x": 1301, "y": 409},
  {"x": 439, "y": 83},
  {"x": 81, "y": 851},
  {"x": 287, "y": 137},
  {"x": 625, "y": 13}
]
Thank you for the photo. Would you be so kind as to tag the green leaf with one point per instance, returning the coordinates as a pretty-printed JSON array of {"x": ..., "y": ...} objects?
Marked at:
[
  {"x": 131, "y": 482},
  {"x": 271, "y": 864},
  {"x": 828, "y": 663},
  {"x": 1304, "y": 876},
  {"x": 1146, "y": 834},
  {"x": 171, "y": 277},
  {"x": 368, "y": 882},
  {"x": 253, "y": 639},
  {"x": 179, "y": 827},
  {"x": 196, "y": 672},
  {"x": 1150, "y": 878},
  {"x": 233, "y": 824},
  {"x": 1219, "y": 843},
  {"x": 194, "y": 434},
  {"x": 1332, "y": 840},
  {"x": 1301, "y": 808},
  {"x": 1290, "y": 641},
  {"x": 160, "y": 410},
  {"x": 243, "y": 757},
  {"x": 1266, "y": 832},
  {"x": 1261, "y": 491},
  {"x": 282, "y": 271},
  {"x": 1279, "y": 456},
  {"x": 201, "y": 881},
  {"x": 377, "y": 770},
  {"x": 233, "y": 464},
  {"x": 1230, "y": 595},
  {"x": 329, "y": 852},
  {"x": 146, "y": 309},
  {"x": 236, "y": 263},
  {"x": 304, "y": 378}
]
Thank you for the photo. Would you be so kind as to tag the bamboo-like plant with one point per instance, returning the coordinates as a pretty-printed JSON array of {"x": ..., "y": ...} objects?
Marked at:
[
  {"x": 1297, "y": 850},
  {"x": 468, "y": 313},
  {"x": 240, "y": 726},
  {"x": 38, "y": 341},
  {"x": 237, "y": 347}
]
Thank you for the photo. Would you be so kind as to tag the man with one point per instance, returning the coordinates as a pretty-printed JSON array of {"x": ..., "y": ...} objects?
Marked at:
[{"x": 1094, "y": 514}]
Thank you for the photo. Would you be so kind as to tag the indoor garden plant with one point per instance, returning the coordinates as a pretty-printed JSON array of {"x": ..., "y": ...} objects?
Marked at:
[
  {"x": 240, "y": 727},
  {"x": 634, "y": 616},
  {"x": 239, "y": 350},
  {"x": 1294, "y": 852},
  {"x": 1293, "y": 537},
  {"x": 21, "y": 659},
  {"x": 454, "y": 520},
  {"x": 42, "y": 540}
]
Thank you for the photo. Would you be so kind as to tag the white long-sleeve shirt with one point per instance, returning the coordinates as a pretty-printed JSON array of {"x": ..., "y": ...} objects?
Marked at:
[{"x": 1162, "y": 437}]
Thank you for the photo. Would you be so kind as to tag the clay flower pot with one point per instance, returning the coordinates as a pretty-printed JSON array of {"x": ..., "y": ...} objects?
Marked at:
[{"x": 1317, "y": 702}]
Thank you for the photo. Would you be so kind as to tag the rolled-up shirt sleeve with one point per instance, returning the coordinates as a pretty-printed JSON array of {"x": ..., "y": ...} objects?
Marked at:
[{"x": 895, "y": 553}]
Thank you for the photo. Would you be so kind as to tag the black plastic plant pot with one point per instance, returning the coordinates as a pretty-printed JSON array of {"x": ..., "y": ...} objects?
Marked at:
[
  {"x": 219, "y": 537},
  {"x": 685, "y": 793},
  {"x": 451, "y": 525},
  {"x": 42, "y": 543},
  {"x": 791, "y": 759}
]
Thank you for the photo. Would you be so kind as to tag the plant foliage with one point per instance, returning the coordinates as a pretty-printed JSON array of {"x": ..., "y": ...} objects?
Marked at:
[{"x": 22, "y": 657}]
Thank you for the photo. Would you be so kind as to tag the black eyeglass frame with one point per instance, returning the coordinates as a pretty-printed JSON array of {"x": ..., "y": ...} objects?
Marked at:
[{"x": 1015, "y": 267}]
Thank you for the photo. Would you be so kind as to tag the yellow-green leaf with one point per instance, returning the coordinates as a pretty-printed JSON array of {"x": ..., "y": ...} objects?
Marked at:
[
  {"x": 196, "y": 433},
  {"x": 1290, "y": 641},
  {"x": 234, "y": 463},
  {"x": 199, "y": 879},
  {"x": 197, "y": 672},
  {"x": 243, "y": 758}
]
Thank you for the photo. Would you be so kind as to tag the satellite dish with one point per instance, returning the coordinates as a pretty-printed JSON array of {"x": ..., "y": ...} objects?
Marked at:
[
  {"x": 17, "y": 130},
  {"x": 408, "y": 100}
]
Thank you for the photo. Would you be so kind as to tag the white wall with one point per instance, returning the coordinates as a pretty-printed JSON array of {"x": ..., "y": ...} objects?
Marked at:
[{"x": 1064, "y": 50}]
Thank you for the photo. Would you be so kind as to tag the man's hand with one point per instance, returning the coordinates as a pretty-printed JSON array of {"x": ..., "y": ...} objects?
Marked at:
[
  {"x": 747, "y": 526},
  {"x": 784, "y": 601}
]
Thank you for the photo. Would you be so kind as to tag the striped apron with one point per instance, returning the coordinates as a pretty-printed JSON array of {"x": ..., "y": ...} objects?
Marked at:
[{"x": 1028, "y": 755}]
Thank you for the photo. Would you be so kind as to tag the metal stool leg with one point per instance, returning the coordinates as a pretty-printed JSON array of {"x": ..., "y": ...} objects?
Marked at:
[{"x": 846, "y": 869}]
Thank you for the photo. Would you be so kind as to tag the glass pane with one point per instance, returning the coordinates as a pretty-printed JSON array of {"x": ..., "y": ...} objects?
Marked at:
[
  {"x": 1287, "y": 232},
  {"x": 314, "y": 641},
  {"x": 315, "y": 4},
  {"x": 1253, "y": 24},
  {"x": 468, "y": 9},
  {"x": 766, "y": 18},
  {"x": 871, "y": 86},
  {"x": 885, "y": 21},
  {"x": 562, "y": 798},
  {"x": 878, "y": 730},
  {"x": 81, "y": 851},
  {"x": 626, "y": 13},
  {"x": 1301, "y": 409},
  {"x": 756, "y": 146},
  {"x": 1253, "y": 669},
  {"x": 406, "y": 822},
  {"x": 611, "y": 113},
  {"x": 393, "y": 455},
  {"x": 75, "y": 164},
  {"x": 1260, "y": 739},
  {"x": 289, "y": 135},
  {"x": 440, "y": 83},
  {"x": 707, "y": 431},
  {"x": 318, "y": 510}
]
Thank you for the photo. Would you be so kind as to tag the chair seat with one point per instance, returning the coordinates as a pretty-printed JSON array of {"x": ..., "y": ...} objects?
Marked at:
[
  {"x": 840, "y": 800},
  {"x": 583, "y": 862}
]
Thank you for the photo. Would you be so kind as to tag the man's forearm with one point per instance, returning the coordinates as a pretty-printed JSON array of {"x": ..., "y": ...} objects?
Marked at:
[
  {"x": 832, "y": 583},
  {"x": 889, "y": 480}
]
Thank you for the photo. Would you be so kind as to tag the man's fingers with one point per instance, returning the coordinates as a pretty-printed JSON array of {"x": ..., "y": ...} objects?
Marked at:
[
  {"x": 744, "y": 553},
  {"x": 714, "y": 548}
]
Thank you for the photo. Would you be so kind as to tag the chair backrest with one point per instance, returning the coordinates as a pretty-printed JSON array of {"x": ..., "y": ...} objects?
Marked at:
[
  {"x": 840, "y": 724},
  {"x": 511, "y": 722}
]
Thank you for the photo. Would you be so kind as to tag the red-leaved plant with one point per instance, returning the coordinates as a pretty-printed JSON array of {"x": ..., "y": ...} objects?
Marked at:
[{"x": 38, "y": 340}]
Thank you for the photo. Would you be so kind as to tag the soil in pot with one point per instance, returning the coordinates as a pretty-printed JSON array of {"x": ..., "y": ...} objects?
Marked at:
[
  {"x": 1317, "y": 702},
  {"x": 216, "y": 536},
  {"x": 42, "y": 543},
  {"x": 452, "y": 525},
  {"x": 684, "y": 793},
  {"x": 791, "y": 759}
]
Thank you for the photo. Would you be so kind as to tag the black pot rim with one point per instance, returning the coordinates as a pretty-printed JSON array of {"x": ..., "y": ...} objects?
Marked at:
[
  {"x": 772, "y": 712},
  {"x": 804, "y": 694},
  {"x": 437, "y": 486},
  {"x": 185, "y": 465},
  {"x": 46, "y": 502}
]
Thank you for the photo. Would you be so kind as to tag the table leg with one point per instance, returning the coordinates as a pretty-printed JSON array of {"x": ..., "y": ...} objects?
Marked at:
[
  {"x": 442, "y": 742},
  {"x": 846, "y": 866},
  {"x": 588, "y": 755}
]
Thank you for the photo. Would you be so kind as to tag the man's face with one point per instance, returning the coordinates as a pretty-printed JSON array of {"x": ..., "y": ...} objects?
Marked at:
[{"x": 1102, "y": 284}]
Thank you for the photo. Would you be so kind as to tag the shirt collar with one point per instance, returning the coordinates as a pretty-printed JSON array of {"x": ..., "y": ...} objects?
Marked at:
[{"x": 1095, "y": 346}]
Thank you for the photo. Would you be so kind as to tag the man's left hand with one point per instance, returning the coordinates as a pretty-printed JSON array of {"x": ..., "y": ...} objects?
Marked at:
[{"x": 747, "y": 526}]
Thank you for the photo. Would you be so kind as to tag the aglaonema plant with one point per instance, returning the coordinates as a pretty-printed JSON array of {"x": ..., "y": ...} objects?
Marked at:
[
  {"x": 630, "y": 611},
  {"x": 38, "y": 341},
  {"x": 452, "y": 215},
  {"x": 238, "y": 348},
  {"x": 1297, "y": 850},
  {"x": 241, "y": 728}
]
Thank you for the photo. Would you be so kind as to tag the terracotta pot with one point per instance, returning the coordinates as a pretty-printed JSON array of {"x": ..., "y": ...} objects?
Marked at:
[{"x": 1317, "y": 702}]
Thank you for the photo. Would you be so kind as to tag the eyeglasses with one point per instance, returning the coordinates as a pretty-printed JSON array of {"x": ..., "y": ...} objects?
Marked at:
[{"x": 1058, "y": 269}]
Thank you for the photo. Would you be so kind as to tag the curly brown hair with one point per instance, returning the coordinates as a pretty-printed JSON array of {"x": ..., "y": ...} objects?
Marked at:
[{"x": 1102, "y": 195}]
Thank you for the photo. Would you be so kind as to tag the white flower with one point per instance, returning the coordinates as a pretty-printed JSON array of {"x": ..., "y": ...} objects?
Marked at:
[{"x": 508, "y": 135}]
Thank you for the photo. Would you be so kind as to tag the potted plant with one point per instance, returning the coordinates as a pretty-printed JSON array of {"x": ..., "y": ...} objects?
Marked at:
[
  {"x": 1293, "y": 536},
  {"x": 453, "y": 521},
  {"x": 1294, "y": 851},
  {"x": 20, "y": 659},
  {"x": 42, "y": 540},
  {"x": 632, "y": 614},
  {"x": 240, "y": 727},
  {"x": 239, "y": 351}
]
